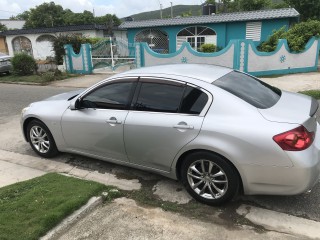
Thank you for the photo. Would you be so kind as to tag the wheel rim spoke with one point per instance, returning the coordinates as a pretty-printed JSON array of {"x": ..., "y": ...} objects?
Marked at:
[
  {"x": 203, "y": 189},
  {"x": 202, "y": 166},
  {"x": 218, "y": 174},
  {"x": 212, "y": 193},
  {"x": 216, "y": 188},
  {"x": 193, "y": 168},
  {"x": 197, "y": 184},
  {"x": 194, "y": 176}
]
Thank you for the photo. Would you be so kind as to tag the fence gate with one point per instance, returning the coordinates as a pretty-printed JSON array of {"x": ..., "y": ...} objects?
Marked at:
[{"x": 112, "y": 54}]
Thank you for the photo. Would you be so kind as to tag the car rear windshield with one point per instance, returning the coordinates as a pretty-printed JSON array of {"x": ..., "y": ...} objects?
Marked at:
[{"x": 249, "y": 89}]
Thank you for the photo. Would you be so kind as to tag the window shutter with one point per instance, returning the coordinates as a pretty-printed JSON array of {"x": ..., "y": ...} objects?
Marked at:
[{"x": 253, "y": 31}]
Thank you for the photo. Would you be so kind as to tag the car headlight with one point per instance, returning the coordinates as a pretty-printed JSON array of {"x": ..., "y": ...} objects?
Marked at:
[{"x": 24, "y": 110}]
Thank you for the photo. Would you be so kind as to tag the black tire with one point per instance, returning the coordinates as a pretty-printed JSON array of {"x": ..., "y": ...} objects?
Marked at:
[
  {"x": 41, "y": 140},
  {"x": 216, "y": 188}
]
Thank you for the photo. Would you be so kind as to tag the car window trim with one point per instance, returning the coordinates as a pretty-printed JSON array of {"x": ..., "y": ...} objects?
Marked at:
[
  {"x": 113, "y": 81},
  {"x": 157, "y": 80},
  {"x": 179, "y": 82}
]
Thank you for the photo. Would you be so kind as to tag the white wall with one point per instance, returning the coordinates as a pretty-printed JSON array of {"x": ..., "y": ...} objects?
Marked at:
[
  {"x": 13, "y": 24},
  {"x": 42, "y": 50}
]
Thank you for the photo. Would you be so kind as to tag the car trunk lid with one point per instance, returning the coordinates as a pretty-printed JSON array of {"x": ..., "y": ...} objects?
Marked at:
[{"x": 293, "y": 108}]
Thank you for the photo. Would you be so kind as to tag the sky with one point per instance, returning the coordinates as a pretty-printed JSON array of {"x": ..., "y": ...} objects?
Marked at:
[{"x": 122, "y": 8}]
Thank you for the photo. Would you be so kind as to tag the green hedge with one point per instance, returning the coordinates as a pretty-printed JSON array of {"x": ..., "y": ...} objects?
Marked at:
[{"x": 297, "y": 36}]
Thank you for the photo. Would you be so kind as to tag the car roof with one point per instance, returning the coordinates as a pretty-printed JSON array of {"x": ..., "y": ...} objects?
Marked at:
[{"x": 205, "y": 72}]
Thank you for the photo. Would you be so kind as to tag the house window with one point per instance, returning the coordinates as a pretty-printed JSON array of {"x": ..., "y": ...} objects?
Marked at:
[
  {"x": 157, "y": 40},
  {"x": 22, "y": 44},
  {"x": 253, "y": 31},
  {"x": 196, "y": 36}
]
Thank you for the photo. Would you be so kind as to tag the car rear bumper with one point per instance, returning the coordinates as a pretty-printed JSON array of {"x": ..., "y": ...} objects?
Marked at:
[{"x": 300, "y": 178}]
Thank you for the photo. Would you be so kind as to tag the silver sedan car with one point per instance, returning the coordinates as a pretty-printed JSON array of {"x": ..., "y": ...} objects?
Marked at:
[{"x": 217, "y": 130}]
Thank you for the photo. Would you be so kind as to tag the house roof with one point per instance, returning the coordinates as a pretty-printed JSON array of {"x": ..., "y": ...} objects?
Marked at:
[
  {"x": 68, "y": 28},
  {"x": 217, "y": 18}
]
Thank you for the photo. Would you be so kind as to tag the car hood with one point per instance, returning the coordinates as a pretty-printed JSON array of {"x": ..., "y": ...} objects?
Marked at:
[{"x": 65, "y": 96}]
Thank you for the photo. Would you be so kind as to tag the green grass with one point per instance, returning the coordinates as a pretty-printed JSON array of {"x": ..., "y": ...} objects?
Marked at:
[
  {"x": 41, "y": 78},
  {"x": 312, "y": 93},
  {"x": 29, "y": 209}
]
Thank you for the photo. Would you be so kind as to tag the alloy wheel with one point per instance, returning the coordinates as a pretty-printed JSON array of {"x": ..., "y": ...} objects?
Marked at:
[{"x": 207, "y": 179}]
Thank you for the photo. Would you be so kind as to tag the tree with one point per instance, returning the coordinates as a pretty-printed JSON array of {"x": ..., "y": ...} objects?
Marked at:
[
  {"x": 3, "y": 27},
  {"x": 71, "y": 18},
  {"x": 22, "y": 16},
  {"x": 252, "y": 5},
  {"x": 45, "y": 15},
  {"x": 308, "y": 9},
  {"x": 107, "y": 19}
]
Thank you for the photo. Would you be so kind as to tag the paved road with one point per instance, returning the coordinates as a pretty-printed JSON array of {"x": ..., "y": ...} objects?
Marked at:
[{"x": 14, "y": 97}]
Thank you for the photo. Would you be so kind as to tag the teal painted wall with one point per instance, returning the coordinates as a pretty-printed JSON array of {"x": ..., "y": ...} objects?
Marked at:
[
  {"x": 225, "y": 31},
  {"x": 235, "y": 30},
  {"x": 273, "y": 24}
]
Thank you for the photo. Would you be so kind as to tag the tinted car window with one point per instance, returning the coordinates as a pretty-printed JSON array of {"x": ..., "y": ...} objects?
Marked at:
[
  {"x": 159, "y": 97},
  {"x": 249, "y": 89},
  {"x": 193, "y": 101},
  {"x": 112, "y": 96}
]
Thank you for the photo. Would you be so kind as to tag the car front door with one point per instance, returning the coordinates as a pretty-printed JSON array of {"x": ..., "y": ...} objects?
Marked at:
[
  {"x": 165, "y": 116},
  {"x": 96, "y": 127}
]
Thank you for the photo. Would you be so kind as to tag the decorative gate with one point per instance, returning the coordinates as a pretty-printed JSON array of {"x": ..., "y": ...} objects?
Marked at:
[{"x": 112, "y": 54}]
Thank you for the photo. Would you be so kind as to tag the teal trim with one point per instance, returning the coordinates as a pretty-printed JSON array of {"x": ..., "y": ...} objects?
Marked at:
[
  {"x": 279, "y": 46},
  {"x": 318, "y": 49},
  {"x": 89, "y": 60},
  {"x": 142, "y": 59},
  {"x": 68, "y": 49},
  {"x": 284, "y": 71},
  {"x": 236, "y": 54},
  {"x": 82, "y": 49},
  {"x": 246, "y": 57},
  {"x": 188, "y": 47}
]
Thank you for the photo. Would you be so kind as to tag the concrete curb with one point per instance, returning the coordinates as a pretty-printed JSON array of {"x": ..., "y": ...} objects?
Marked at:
[
  {"x": 281, "y": 222},
  {"x": 25, "y": 83},
  {"x": 68, "y": 222}
]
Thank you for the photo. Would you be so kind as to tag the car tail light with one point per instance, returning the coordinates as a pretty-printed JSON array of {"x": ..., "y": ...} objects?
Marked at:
[{"x": 296, "y": 139}]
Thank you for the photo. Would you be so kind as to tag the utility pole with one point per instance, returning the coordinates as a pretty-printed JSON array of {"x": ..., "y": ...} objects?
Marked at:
[
  {"x": 171, "y": 10},
  {"x": 160, "y": 10}
]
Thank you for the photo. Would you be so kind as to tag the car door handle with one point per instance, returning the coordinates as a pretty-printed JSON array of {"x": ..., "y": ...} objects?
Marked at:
[
  {"x": 113, "y": 121},
  {"x": 183, "y": 126}
]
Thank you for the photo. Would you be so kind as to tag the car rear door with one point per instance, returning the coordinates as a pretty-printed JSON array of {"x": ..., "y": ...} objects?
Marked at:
[
  {"x": 165, "y": 115},
  {"x": 96, "y": 128}
]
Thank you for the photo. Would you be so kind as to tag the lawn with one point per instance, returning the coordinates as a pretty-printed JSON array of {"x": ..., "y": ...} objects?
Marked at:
[
  {"x": 30, "y": 209},
  {"x": 312, "y": 93},
  {"x": 41, "y": 78}
]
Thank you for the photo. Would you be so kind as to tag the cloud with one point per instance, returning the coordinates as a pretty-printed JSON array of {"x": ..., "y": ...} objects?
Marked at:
[{"x": 121, "y": 8}]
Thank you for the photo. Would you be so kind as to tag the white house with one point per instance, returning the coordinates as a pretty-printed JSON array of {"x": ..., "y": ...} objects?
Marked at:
[
  {"x": 38, "y": 41},
  {"x": 13, "y": 24}
]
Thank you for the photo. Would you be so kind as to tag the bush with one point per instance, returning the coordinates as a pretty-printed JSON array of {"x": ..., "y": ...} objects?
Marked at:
[
  {"x": 52, "y": 76},
  {"x": 23, "y": 64},
  {"x": 297, "y": 36},
  {"x": 272, "y": 42},
  {"x": 74, "y": 40},
  {"x": 208, "y": 48}
]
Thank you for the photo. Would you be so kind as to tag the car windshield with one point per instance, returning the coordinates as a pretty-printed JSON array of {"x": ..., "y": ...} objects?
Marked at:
[{"x": 249, "y": 89}]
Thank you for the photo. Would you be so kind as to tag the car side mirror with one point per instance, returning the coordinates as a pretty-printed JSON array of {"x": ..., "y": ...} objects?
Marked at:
[{"x": 74, "y": 105}]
